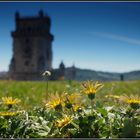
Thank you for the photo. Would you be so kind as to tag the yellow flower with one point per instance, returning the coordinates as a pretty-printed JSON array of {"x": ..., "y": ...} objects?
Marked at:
[
  {"x": 74, "y": 97},
  {"x": 54, "y": 104},
  {"x": 112, "y": 96},
  {"x": 8, "y": 114},
  {"x": 55, "y": 101},
  {"x": 133, "y": 100},
  {"x": 10, "y": 101},
  {"x": 71, "y": 99},
  {"x": 90, "y": 88},
  {"x": 64, "y": 121},
  {"x": 77, "y": 107},
  {"x": 134, "y": 103}
]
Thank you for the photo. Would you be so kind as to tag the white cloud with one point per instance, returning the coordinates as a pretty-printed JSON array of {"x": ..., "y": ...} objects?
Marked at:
[{"x": 117, "y": 37}]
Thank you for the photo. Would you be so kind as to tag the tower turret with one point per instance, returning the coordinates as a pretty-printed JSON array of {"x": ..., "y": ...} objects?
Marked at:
[
  {"x": 41, "y": 14},
  {"x": 61, "y": 69}
]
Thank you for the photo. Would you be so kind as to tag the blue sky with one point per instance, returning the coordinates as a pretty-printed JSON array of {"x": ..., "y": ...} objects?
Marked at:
[{"x": 101, "y": 36}]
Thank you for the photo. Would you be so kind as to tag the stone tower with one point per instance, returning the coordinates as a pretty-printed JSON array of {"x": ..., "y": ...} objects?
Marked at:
[
  {"x": 32, "y": 47},
  {"x": 61, "y": 69}
]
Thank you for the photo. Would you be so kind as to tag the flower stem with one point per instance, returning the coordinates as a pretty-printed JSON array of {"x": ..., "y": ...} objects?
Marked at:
[{"x": 47, "y": 86}]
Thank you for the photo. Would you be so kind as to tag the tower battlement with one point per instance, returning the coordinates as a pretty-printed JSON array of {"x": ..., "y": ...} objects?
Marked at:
[{"x": 32, "y": 26}]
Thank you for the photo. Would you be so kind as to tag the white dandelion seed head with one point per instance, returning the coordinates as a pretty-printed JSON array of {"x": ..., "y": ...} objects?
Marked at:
[{"x": 47, "y": 73}]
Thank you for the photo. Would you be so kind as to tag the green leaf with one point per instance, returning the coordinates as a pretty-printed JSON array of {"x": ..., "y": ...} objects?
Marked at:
[
  {"x": 102, "y": 111},
  {"x": 129, "y": 130}
]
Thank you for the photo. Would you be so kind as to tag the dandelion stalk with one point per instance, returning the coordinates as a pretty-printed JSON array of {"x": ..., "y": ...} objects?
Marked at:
[
  {"x": 46, "y": 74},
  {"x": 46, "y": 85}
]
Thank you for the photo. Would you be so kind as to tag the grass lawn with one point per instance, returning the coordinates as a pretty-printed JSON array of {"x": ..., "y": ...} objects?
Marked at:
[{"x": 34, "y": 93}]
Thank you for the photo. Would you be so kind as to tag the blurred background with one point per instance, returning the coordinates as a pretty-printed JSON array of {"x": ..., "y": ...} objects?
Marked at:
[{"x": 100, "y": 40}]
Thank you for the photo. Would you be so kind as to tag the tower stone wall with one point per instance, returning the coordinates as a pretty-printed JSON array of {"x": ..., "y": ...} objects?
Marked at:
[{"x": 32, "y": 47}]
